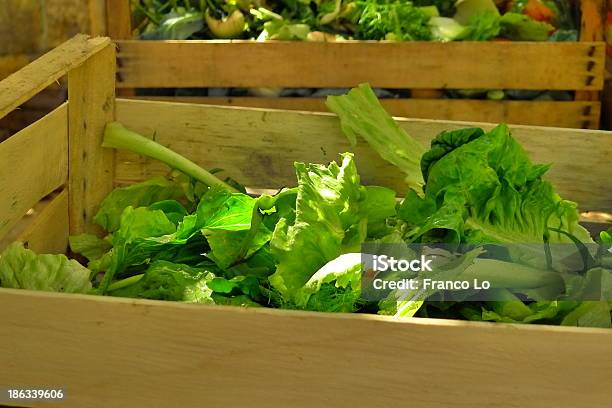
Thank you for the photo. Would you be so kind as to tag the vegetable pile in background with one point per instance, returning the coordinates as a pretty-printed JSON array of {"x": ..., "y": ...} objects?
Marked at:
[
  {"x": 338, "y": 20},
  {"x": 333, "y": 20},
  {"x": 193, "y": 237}
]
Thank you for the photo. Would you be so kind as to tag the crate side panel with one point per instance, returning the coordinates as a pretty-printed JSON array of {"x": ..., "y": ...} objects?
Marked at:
[
  {"x": 189, "y": 353},
  {"x": 480, "y": 65},
  {"x": 44, "y": 229},
  {"x": 34, "y": 162},
  {"x": 570, "y": 114},
  {"x": 258, "y": 147},
  {"x": 91, "y": 92},
  {"x": 36, "y": 76}
]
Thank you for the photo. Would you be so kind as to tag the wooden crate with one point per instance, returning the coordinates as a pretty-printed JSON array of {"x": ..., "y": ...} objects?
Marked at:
[
  {"x": 426, "y": 68},
  {"x": 30, "y": 28},
  {"x": 123, "y": 352}
]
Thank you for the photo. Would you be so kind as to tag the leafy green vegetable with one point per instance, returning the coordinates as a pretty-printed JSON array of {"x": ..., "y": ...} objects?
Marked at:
[
  {"x": 195, "y": 238},
  {"x": 447, "y": 29},
  {"x": 21, "y": 268},
  {"x": 327, "y": 223},
  {"x": 361, "y": 114},
  {"x": 520, "y": 27},
  {"x": 226, "y": 220},
  {"x": 467, "y": 10},
  {"x": 336, "y": 287},
  {"x": 90, "y": 246},
  {"x": 176, "y": 26},
  {"x": 167, "y": 281},
  {"x": 483, "y": 188},
  {"x": 606, "y": 236},
  {"x": 392, "y": 19},
  {"x": 283, "y": 31},
  {"x": 331, "y": 20},
  {"x": 142, "y": 232},
  {"x": 136, "y": 195},
  {"x": 483, "y": 26},
  {"x": 378, "y": 206},
  {"x": 445, "y": 7},
  {"x": 405, "y": 303},
  {"x": 589, "y": 314},
  {"x": 118, "y": 137}
]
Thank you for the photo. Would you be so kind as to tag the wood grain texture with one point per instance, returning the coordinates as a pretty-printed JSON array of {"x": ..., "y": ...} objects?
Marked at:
[
  {"x": 166, "y": 351},
  {"x": 119, "y": 19},
  {"x": 345, "y": 64},
  {"x": 45, "y": 228},
  {"x": 91, "y": 96},
  {"x": 592, "y": 23},
  {"x": 258, "y": 147},
  {"x": 97, "y": 17},
  {"x": 33, "y": 78},
  {"x": 570, "y": 114},
  {"x": 34, "y": 163},
  {"x": 592, "y": 20}
]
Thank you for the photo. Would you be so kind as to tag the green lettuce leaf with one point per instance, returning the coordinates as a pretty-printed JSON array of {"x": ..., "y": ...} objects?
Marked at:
[
  {"x": 238, "y": 300},
  {"x": 136, "y": 195},
  {"x": 361, "y": 114},
  {"x": 519, "y": 27},
  {"x": 560, "y": 312},
  {"x": 21, "y": 268},
  {"x": 89, "y": 245},
  {"x": 167, "y": 281},
  {"x": 482, "y": 27},
  {"x": 327, "y": 223},
  {"x": 142, "y": 234},
  {"x": 445, "y": 267},
  {"x": 482, "y": 188},
  {"x": 232, "y": 225},
  {"x": 378, "y": 206},
  {"x": 589, "y": 314},
  {"x": 447, "y": 29},
  {"x": 336, "y": 287}
]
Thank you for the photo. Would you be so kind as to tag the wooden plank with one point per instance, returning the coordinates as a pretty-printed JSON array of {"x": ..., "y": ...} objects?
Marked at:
[
  {"x": 571, "y": 114},
  {"x": 258, "y": 147},
  {"x": 119, "y": 19},
  {"x": 592, "y": 23},
  {"x": 91, "y": 95},
  {"x": 184, "y": 353},
  {"x": 592, "y": 20},
  {"x": 97, "y": 17},
  {"x": 33, "y": 78},
  {"x": 44, "y": 229},
  {"x": 34, "y": 163},
  {"x": 345, "y": 64}
]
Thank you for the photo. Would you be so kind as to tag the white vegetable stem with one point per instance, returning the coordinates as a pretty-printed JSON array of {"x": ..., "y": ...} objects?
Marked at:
[{"x": 116, "y": 136}]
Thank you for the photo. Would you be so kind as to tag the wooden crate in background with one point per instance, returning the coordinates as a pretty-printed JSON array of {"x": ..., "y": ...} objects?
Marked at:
[
  {"x": 425, "y": 68},
  {"x": 131, "y": 352},
  {"x": 29, "y": 29}
]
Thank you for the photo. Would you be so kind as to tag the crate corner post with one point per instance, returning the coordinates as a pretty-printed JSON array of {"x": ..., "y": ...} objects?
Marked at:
[{"x": 91, "y": 104}]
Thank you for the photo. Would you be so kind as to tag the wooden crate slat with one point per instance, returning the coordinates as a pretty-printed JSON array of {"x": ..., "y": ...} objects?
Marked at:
[
  {"x": 119, "y": 19},
  {"x": 484, "y": 65},
  {"x": 45, "y": 231},
  {"x": 33, "y": 78},
  {"x": 289, "y": 359},
  {"x": 570, "y": 114},
  {"x": 258, "y": 147},
  {"x": 91, "y": 95},
  {"x": 34, "y": 163}
]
